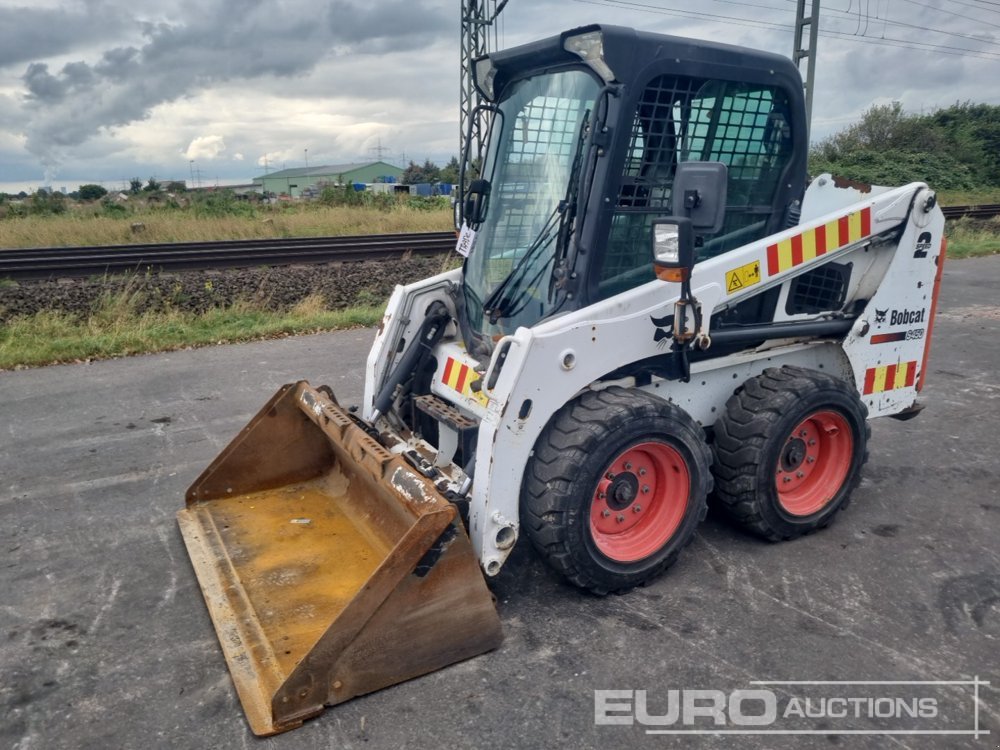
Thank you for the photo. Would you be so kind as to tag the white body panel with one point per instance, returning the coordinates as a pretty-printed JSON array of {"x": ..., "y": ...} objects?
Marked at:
[{"x": 553, "y": 361}]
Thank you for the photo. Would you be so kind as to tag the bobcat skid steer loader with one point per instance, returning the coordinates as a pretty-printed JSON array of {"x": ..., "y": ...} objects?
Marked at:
[{"x": 653, "y": 307}]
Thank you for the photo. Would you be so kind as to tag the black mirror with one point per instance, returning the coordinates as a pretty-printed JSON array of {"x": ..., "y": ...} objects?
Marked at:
[
  {"x": 699, "y": 194},
  {"x": 673, "y": 248},
  {"x": 477, "y": 199}
]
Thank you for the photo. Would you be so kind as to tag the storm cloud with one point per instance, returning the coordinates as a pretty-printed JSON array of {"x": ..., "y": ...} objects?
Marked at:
[{"x": 217, "y": 41}]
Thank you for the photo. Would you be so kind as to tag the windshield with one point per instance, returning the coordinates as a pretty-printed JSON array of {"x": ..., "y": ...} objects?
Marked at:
[{"x": 535, "y": 138}]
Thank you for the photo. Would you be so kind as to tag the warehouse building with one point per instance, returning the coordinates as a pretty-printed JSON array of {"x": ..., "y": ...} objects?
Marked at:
[{"x": 293, "y": 181}]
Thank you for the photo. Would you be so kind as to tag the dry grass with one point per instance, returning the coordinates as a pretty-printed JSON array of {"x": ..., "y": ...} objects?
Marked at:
[
  {"x": 116, "y": 329},
  {"x": 88, "y": 226}
]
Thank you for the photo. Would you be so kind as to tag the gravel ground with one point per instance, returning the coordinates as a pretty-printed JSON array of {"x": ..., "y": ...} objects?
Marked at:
[{"x": 340, "y": 284}]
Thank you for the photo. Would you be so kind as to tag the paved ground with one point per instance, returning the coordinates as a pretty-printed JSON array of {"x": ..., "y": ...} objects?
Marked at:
[{"x": 105, "y": 641}]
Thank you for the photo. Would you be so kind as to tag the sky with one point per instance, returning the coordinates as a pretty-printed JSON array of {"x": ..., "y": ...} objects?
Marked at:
[{"x": 217, "y": 91}]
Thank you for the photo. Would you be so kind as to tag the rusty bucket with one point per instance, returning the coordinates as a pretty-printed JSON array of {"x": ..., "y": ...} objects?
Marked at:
[{"x": 329, "y": 566}]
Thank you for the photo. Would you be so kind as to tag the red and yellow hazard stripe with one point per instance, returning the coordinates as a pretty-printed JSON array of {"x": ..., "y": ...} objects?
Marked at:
[
  {"x": 821, "y": 240},
  {"x": 461, "y": 377},
  {"x": 890, "y": 377}
]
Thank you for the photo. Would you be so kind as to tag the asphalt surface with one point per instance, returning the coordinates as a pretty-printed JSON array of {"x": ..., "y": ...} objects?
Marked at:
[{"x": 105, "y": 641}]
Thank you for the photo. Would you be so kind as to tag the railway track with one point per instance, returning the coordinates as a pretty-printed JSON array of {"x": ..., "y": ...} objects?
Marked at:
[
  {"x": 985, "y": 211},
  {"x": 76, "y": 262}
]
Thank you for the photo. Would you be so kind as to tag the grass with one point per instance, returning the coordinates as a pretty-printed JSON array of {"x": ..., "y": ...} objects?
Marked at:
[
  {"x": 971, "y": 238},
  {"x": 982, "y": 196},
  {"x": 87, "y": 225},
  {"x": 116, "y": 329}
]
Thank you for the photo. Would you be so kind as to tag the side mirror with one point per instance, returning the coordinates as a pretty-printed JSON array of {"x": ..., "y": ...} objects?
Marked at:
[
  {"x": 699, "y": 194},
  {"x": 673, "y": 248},
  {"x": 477, "y": 199}
]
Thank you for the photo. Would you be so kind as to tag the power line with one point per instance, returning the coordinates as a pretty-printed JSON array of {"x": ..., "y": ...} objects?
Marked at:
[
  {"x": 976, "y": 7},
  {"x": 952, "y": 13},
  {"x": 743, "y": 22},
  {"x": 903, "y": 24}
]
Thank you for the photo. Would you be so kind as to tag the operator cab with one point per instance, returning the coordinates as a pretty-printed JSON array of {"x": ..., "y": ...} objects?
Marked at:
[{"x": 587, "y": 130}]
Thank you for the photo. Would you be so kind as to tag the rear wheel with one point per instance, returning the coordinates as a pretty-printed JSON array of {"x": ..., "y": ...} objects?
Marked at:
[
  {"x": 615, "y": 488},
  {"x": 789, "y": 450}
]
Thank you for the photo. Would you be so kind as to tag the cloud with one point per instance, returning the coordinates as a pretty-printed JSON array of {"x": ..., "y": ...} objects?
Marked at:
[
  {"x": 216, "y": 41},
  {"x": 206, "y": 147},
  {"x": 28, "y": 33},
  {"x": 237, "y": 157},
  {"x": 113, "y": 88}
]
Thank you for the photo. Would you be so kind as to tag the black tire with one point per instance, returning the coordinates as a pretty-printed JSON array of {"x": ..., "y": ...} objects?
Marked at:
[
  {"x": 755, "y": 451},
  {"x": 569, "y": 466}
]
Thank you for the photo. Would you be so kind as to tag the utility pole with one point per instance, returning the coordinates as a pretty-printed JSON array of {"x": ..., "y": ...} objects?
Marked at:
[
  {"x": 478, "y": 17},
  {"x": 379, "y": 151},
  {"x": 801, "y": 22}
]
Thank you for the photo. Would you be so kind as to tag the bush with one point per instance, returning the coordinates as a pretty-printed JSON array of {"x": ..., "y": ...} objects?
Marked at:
[
  {"x": 957, "y": 148},
  {"x": 895, "y": 167},
  {"x": 91, "y": 192},
  {"x": 220, "y": 203},
  {"x": 46, "y": 203}
]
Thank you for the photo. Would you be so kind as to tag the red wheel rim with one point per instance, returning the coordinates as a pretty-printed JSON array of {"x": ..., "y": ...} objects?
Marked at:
[
  {"x": 813, "y": 463},
  {"x": 639, "y": 501}
]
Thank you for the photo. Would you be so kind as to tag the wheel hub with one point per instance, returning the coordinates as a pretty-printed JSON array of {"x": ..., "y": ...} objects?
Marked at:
[
  {"x": 793, "y": 454},
  {"x": 639, "y": 501},
  {"x": 814, "y": 463},
  {"x": 623, "y": 490}
]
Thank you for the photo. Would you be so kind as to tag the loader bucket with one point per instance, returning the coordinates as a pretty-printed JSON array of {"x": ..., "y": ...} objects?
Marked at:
[{"x": 330, "y": 567}]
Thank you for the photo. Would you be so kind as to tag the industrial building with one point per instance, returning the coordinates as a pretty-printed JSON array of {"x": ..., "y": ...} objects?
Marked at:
[{"x": 293, "y": 181}]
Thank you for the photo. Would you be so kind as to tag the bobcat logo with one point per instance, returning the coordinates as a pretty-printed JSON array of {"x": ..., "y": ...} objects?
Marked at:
[
  {"x": 880, "y": 315},
  {"x": 664, "y": 328}
]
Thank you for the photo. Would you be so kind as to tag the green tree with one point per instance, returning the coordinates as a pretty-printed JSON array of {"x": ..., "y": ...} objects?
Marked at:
[
  {"x": 176, "y": 186},
  {"x": 135, "y": 186},
  {"x": 415, "y": 174},
  {"x": 152, "y": 186},
  {"x": 91, "y": 192},
  {"x": 449, "y": 172}
]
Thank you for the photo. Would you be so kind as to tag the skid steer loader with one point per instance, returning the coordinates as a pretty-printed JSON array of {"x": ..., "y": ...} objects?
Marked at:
[{"x": 653, "y": 308}]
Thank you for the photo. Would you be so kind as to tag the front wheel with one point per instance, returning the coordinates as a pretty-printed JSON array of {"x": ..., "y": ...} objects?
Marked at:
[{"x": 615, "y": 488}]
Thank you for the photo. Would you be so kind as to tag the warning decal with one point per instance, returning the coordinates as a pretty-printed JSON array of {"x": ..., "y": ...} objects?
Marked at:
[
  {"x": 889, "y": 377},
  {"x": 742, "y": 277},
  {"x": 460, "y": 377}
]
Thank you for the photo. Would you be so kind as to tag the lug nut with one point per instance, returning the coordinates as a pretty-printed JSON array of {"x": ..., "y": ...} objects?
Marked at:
[
  {"x": 642, "y": 472},
  {"x": 811, "y": 460},
  {"x": 637, "y": 509},
  {"x": 803, "y": 433},
  {"x": 602, "y": 495},
  {"x": 812, "y": 442},
  {"x": 799, "y": 474},
  {"x": 628, "y": 467},
  {"x": 645, "y": 489},
  {"x": 609, "y": 476},
  {"x": 786, "y": 480},
  {"x": 621, "y": 518},
  {"x": 605, "y": 513}
]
